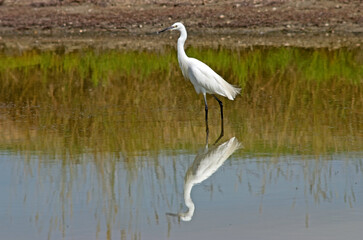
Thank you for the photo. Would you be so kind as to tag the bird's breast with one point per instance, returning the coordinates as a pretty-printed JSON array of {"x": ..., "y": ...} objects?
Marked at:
[{"x": 184, "y": 68}]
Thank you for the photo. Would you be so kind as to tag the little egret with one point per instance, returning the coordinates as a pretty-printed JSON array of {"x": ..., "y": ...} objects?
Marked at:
[
  {"x": 203, "y": 78},
  {"x": 207, "y": 162}
]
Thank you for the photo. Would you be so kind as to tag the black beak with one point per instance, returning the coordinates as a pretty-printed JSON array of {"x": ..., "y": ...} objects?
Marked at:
[
  {"x": 166, "y": 29},
  {"x": 172, "y": 214}
]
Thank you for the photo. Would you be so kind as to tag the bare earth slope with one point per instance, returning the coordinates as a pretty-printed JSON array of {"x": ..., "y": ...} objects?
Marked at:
[{"x": 118, "y": 24}]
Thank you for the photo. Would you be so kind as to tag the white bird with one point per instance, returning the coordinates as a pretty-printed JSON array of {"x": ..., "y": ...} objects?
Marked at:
[
  {"x": 203, "y": 78},
  {"x": 204, "y": 165}
]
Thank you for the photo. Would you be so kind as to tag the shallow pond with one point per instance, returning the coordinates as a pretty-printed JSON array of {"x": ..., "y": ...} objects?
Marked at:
[{"x": 101, "y": 144}]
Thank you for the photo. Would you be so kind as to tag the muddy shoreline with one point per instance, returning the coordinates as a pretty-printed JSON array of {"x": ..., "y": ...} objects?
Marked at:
[{"x": 113, "y": 24}]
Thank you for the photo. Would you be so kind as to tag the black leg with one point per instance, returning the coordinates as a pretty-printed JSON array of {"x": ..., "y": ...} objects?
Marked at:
[
  {"x": 222, "y": 125},
  {"x": 206, "y": 115},
  {"x": 221, "y": 105},
  {"x": 206, "y": 119},
  {"x": 206, "y": 136}
]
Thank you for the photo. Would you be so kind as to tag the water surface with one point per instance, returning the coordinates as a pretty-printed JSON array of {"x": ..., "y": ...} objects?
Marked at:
[{"x": 112, "y": 145}]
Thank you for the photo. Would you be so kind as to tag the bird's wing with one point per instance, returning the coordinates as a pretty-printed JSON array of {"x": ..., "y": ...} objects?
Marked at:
[
  {"x": 203, "y": 76},
  {"x": 206, "y": 164}
]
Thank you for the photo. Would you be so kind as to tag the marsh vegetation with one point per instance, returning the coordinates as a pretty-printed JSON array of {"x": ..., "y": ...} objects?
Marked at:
[
  {"x": 111, "y": 134},
  {"x": 292, "y": 100}
]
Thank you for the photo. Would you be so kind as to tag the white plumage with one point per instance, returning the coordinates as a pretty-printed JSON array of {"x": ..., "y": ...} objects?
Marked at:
[
  {"x": 203, "y": 78},
  {"x": 204, "y": 165}
]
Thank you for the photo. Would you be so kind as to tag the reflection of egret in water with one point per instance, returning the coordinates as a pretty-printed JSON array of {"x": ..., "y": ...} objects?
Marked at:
[{"x": 204, "y": 165}]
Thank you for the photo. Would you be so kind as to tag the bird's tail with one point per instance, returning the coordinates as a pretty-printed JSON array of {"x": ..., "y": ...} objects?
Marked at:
[
  {"x": 225, "y": 89},
  {"x": 232, "y": 91}
]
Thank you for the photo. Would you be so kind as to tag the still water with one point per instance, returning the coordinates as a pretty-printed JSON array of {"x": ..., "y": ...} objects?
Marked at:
[{"x": 112, "y": 145}]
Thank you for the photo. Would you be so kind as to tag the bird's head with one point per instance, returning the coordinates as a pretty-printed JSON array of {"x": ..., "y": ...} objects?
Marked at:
[
  {"x": 185, "y": 217},
  {"x": 175, "y": 26}
]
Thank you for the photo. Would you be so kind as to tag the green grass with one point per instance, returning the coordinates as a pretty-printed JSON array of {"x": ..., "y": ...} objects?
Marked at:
[
  {"x": 242, "y": 65},
  {"x": 321, "y": 65}
]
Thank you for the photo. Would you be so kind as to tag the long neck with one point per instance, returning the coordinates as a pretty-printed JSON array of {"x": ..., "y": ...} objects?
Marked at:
[
  {"x": 187, "y": 216},
  {"x": 181, "y": 41},
  {"x": 187, "y": 198}
]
